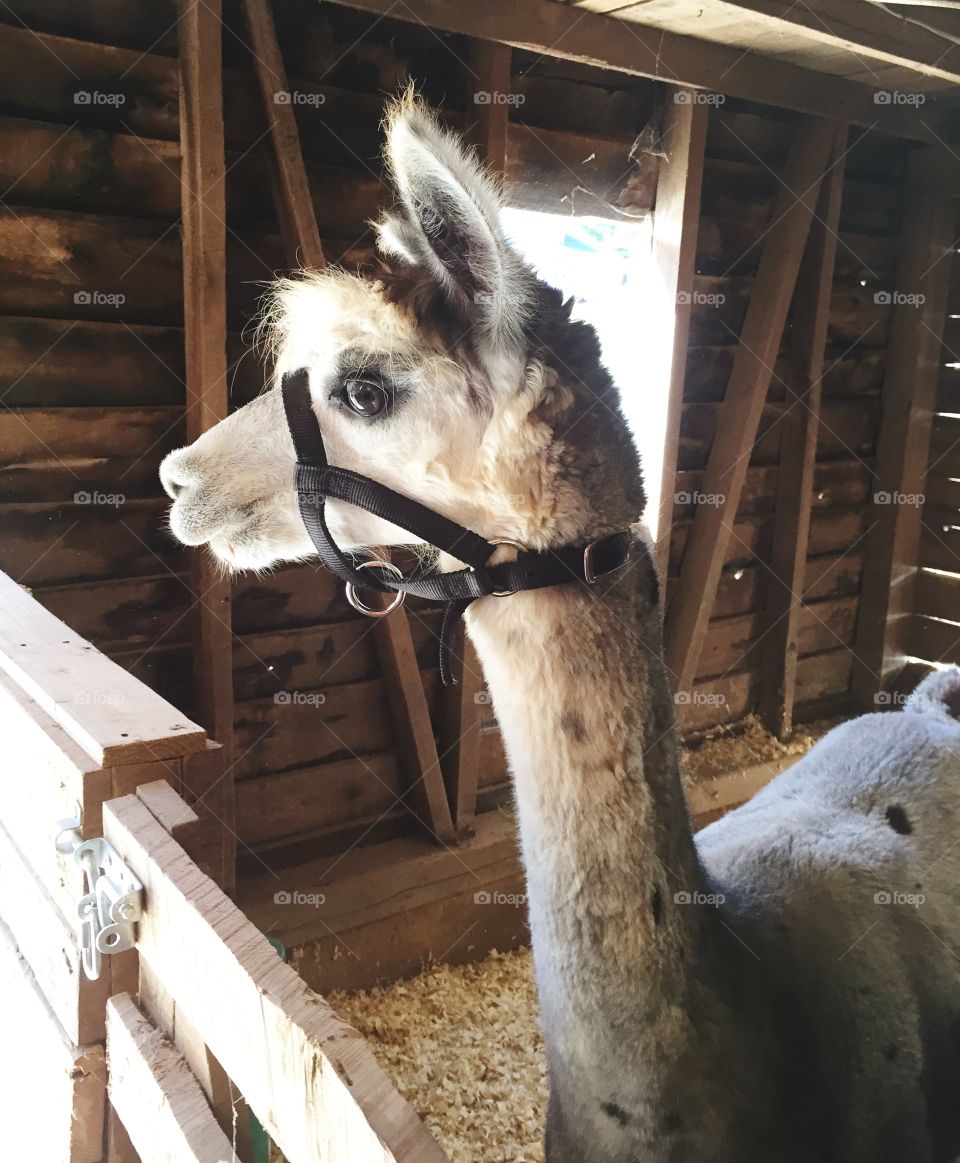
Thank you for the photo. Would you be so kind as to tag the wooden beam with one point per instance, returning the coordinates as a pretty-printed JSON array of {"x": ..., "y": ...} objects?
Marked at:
[
  {"x": 913, "y": 365},
  {"x": 691, "y": 603},
  {"x": 294, "y": 205},
  {"x": 408, "y": 701},
  {"x": 850, "y": 37},
  {"x": 158, "y": 1100},
  {"x": 101, "y": 706},
  {"x": 427, "y": 796},
  {"x": 800, "y": 427},
  {"x": 461, "y": 715},
  {"x": 560, "y": 30},
  {"x": 487, "y": 112},
  {"x": 203, "y": 218},
  {"x": 312, "y": 1083},
  {"x": 676, "y": 222}
]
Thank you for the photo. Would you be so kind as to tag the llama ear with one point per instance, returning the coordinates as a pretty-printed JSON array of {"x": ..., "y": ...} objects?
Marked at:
[{"x": 449, "y": 222}]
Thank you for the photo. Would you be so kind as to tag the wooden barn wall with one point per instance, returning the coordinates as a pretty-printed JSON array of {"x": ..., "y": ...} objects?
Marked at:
[
  {"x": 746, "y": 148},
  {"x": 935, "y": 632},
  {"x": 91, "y": 349}
]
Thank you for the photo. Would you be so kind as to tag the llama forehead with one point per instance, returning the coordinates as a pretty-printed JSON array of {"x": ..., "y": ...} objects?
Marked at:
[{"x": 314, "y": 319}]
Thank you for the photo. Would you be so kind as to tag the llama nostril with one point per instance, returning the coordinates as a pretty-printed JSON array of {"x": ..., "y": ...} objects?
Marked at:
[{"x": 173, "y": 476}]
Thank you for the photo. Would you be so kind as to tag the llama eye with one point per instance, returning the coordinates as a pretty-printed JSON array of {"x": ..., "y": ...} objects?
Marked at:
[{"x": 365, "y": 397}]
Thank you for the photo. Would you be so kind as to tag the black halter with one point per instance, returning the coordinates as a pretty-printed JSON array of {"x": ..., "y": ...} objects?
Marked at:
[{"x": 316, "y": 480}]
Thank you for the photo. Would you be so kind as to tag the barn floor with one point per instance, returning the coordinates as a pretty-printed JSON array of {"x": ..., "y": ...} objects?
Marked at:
[{"x": 463, "y": 1043}]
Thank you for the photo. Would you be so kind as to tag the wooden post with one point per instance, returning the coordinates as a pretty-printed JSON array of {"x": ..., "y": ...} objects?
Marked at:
[
  {"x": 688, "y": 613},
  {"x": 798, "y": 452},
  {"x": 487, "y": 118},
  {"x": 203, "y": 214},
  {"x": 676, "y": 222},
  {"x": 909, "y": 402},
  {"x": 292, "y": 188},
  {"x": 408, "y": 701}
]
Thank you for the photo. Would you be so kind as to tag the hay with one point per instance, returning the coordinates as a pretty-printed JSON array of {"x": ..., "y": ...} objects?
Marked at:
[
  {"x": 745, "y": 744},
  {"x": 463, "y": 1045}
]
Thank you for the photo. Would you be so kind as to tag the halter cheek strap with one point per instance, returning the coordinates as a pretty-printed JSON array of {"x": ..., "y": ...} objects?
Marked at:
[{"x": 316, "y": 480}]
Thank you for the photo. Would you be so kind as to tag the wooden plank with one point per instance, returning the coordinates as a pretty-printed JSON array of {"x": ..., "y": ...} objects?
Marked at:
[
  {"x": 909, "y": 392},
  {"x": 798, "y": 450},
  {"x": 158, "y": 1100},
  {"x": 227, "y": 1105},
  {"x": 294, "y": 206},
  {"x": 283, "y": 805},
  {"x": 459, "y": 745},
  {"x": 311, "y": 1082},
  {"x": 559, "y": 30},
  {"x": 935, "y": 640},
  {"x": 205, "y": 333},
  {"x": 111, "y": 715},
  {"x": 708, "y": 792},
  {"x": 695, "y": 591},
  {"x": 390, "y": 909},
  {"x": 675, "y": 239},
  {"x": 71, "y": 1079}
]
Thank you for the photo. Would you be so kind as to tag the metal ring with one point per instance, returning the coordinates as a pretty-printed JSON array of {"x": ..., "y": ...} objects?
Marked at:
[
  {"x": 521, "y": 549},
  {"x": 369, "y": 611}
]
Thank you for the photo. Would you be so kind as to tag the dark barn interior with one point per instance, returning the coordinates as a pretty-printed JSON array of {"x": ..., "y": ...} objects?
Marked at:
[{"x": 160, "y": 166}]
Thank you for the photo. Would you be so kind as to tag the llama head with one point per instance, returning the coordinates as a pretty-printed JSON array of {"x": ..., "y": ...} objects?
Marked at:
[{"x": 454, "y": 377}]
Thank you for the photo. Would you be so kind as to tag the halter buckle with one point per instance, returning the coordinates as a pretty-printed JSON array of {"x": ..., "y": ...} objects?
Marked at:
[{"x": 369, "y": 611}]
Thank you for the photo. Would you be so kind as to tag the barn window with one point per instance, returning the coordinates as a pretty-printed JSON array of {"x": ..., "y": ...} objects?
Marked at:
[{"x": 607, "y": 266}]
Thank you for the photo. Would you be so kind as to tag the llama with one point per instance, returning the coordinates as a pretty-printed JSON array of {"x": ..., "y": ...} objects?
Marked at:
[{"x": 785, "y": 986}]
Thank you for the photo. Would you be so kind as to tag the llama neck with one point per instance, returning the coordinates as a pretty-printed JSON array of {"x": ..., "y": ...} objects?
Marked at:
[{"x": 582, "y": 699}]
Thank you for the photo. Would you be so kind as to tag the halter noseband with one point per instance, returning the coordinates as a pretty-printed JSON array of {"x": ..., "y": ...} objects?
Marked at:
[{"x": 316, "y": 480}]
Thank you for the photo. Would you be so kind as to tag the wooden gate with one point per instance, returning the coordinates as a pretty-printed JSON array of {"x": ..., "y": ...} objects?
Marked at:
[{"x": 168, "y": 1052}]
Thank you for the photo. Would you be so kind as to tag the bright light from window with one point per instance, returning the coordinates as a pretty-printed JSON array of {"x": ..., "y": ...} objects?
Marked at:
[{"x": 608, "y": 268}]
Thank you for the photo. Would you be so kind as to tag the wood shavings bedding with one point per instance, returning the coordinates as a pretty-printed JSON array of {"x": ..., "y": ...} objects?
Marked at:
[{"x": 462, "y": 1043}]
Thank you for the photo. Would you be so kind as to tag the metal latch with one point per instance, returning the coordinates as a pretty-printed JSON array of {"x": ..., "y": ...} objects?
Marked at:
[{"x": 113, "y": 901}]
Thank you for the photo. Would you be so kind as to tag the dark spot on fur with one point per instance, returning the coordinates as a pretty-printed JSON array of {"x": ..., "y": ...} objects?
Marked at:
[
  {"x": 673, "y": 1122},
  {"x": 572, "y": 725},
  {"x": 898, "y": 820},
  {"x": 616, "y": 1112},
  {"x": 656, "y": 905},
  {"x": 890, "y": 1053}
]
